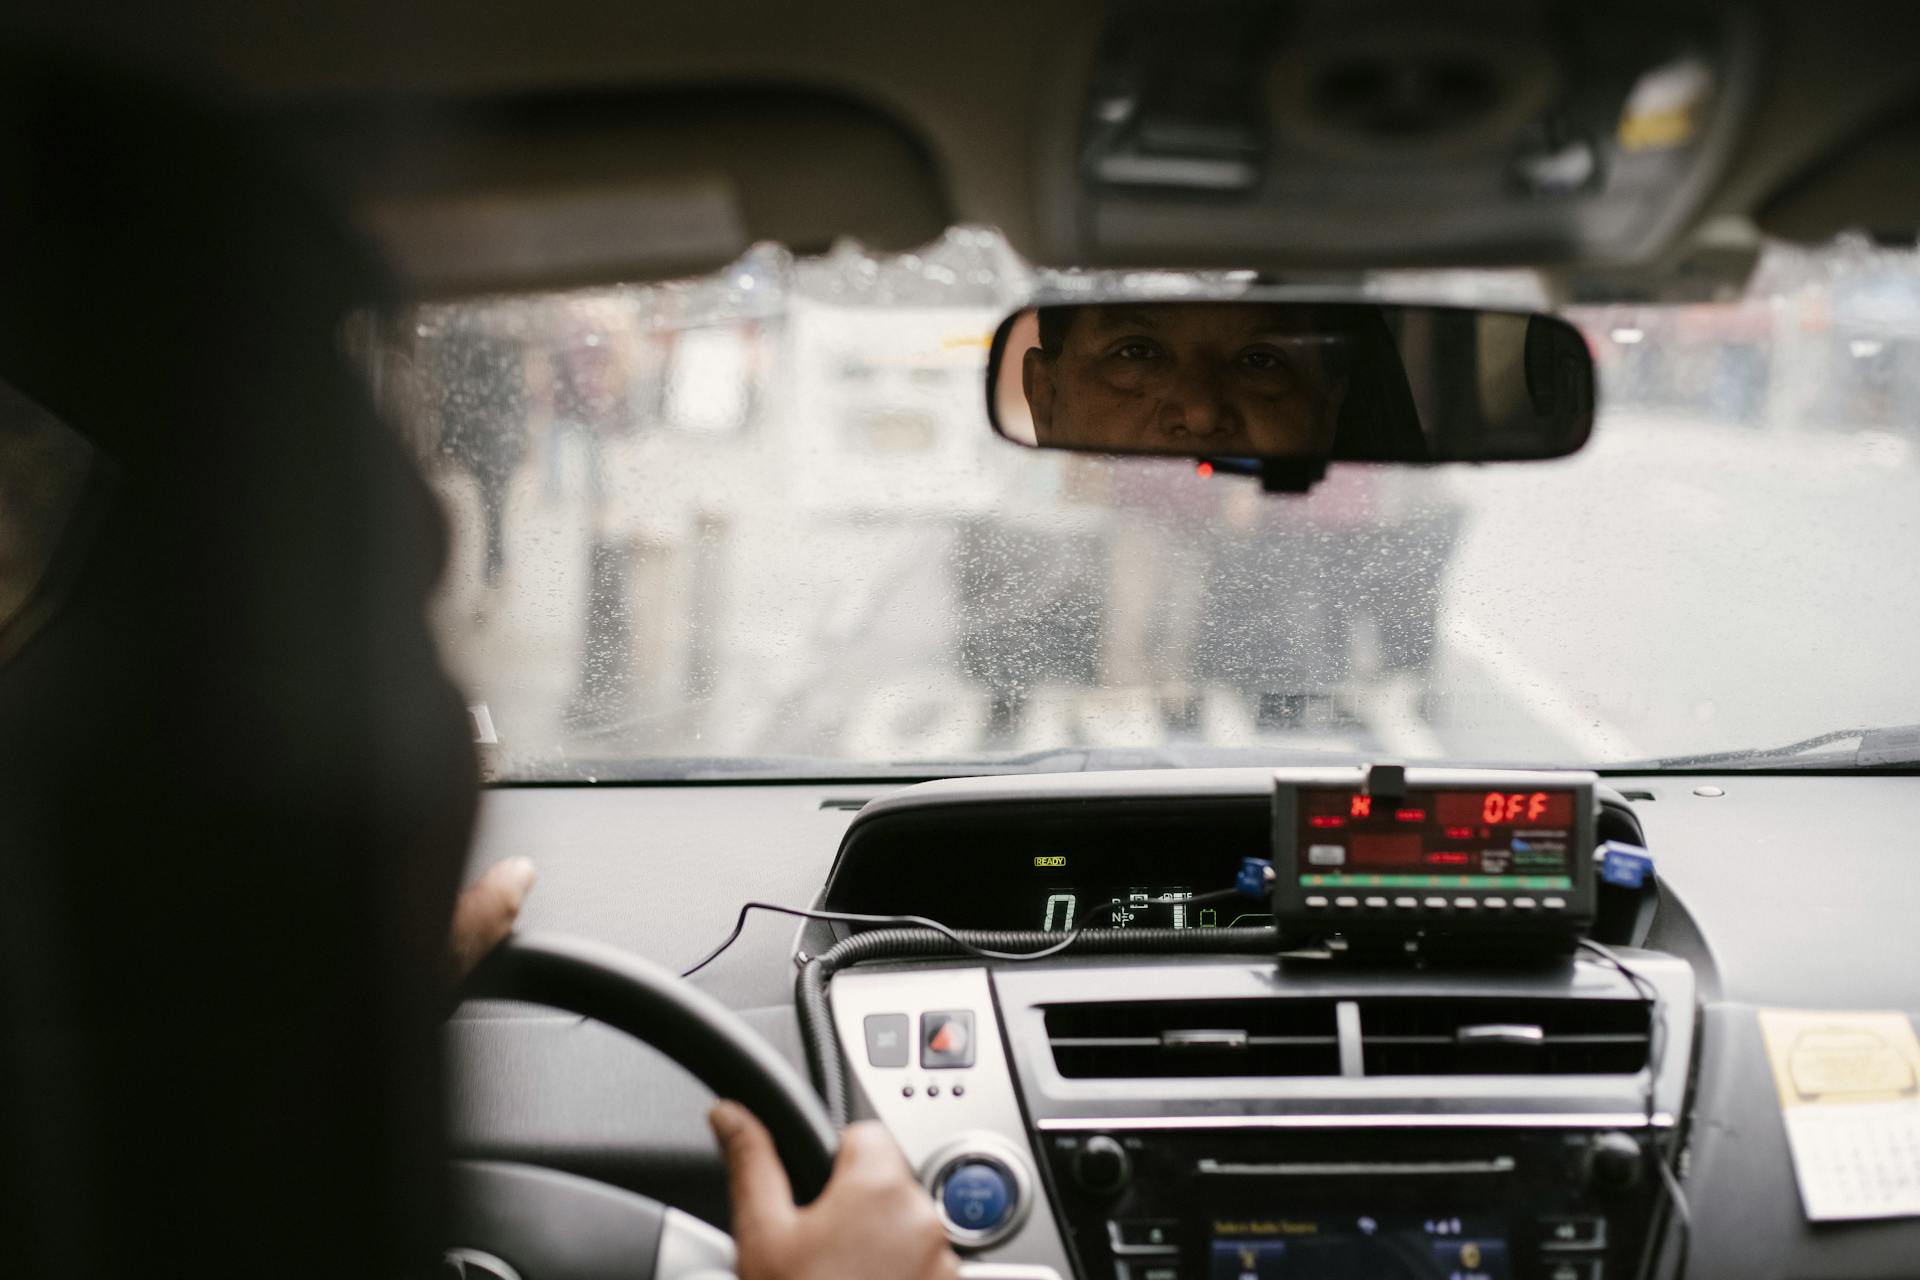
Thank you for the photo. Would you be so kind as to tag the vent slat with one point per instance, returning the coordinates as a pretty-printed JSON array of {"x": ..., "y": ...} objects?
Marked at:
[
  {"x": 1408, "y": 1037},
  {"x": 1189, "y": 1038},
  {"x": 1399, "y": 1036}
]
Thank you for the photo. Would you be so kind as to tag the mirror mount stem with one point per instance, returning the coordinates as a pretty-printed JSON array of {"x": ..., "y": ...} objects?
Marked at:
[{"x": 1291, "y": 475}]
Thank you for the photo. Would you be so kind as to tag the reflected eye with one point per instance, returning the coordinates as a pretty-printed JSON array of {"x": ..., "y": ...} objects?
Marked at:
[
  {"x": 1136, "y": 349},
  {"x": 1262, "y": 360}
]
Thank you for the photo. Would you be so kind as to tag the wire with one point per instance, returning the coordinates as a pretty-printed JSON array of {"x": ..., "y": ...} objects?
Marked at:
[
  {"x": 1682, "y": 1214},
  {"x": 1657, "y": 1023},
  {"x": 946, "y": 931},
  {"x": 1656, "y": 1053}
]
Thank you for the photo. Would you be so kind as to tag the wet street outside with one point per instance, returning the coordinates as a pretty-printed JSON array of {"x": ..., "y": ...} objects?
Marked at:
[{"x": 795, "y": 540}]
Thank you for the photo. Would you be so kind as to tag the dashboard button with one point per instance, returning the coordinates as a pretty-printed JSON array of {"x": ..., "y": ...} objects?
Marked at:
[
  {"x": 1148, "y": 1271},
  {"x": 976, "y": 1195},
  {"x": 1406, "y": 904},
  {"x": 1346, "y": 904},
  {"x": 1465, "y": 904},
  {"x": 1256, "y": 1258},
  {"x": 946, "y": 1039},
  {"x": 1569, "y": 1269},
  {"x": 1524, "y": 904},
  {"x": 1326, "y": 855},
  {"x": 887, "y": 1040},
  {"x": 1376, "y": 904},
  {"x": 1436, "y": 904},
  {"x": 1494, "y": 904},
  {"x": 1144, "y": 1235},
  {"x": 1573, "y": 1233},
  {"x": 1102, "y": 1166},
  {"x": 1317, "y": 903},
  {"x": 1554, "y": 904}
]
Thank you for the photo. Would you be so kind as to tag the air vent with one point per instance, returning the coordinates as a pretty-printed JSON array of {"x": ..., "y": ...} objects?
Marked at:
[
  {"x": 1175, "y": 1038},
  {"x": 1548, "y": 1037}
]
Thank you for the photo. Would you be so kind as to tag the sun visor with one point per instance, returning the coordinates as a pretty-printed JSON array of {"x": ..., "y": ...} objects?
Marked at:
[
  {"x": 544, "y": 194},
  {"x": 1870, "y": 185}
]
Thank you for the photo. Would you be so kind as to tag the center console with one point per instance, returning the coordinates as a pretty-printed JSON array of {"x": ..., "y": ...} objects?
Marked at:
[
  {"x": 1353, "y": 1204},
  {"x": 1299, "y": 1115}
]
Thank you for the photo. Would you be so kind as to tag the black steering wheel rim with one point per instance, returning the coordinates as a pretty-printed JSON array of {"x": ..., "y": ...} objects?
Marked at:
[{"x": 661, "y": 1009}]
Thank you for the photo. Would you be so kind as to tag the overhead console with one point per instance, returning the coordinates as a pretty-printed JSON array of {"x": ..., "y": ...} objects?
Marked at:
[{"x": 1324, "y": 134}]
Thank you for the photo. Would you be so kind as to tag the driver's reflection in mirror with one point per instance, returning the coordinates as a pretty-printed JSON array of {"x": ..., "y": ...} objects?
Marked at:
[{"x": 1220, "y": 378}]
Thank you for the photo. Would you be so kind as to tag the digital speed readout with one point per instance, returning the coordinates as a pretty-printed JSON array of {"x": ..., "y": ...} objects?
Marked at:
[
  {"x": 1433, "y": 839},
  {"x": 1136, "y": 907}
]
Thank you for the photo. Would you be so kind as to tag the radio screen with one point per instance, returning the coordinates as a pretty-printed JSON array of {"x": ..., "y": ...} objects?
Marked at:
[
  {"x": 1391, "y": 1247},
  {"x": 1435, "y": 839}
]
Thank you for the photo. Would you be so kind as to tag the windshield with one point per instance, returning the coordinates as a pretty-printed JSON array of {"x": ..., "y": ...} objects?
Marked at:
[{"x": 757, "y": 523}]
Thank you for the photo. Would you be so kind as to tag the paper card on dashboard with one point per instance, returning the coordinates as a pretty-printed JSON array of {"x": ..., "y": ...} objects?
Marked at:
[{"x": 1849, "y": 1085}]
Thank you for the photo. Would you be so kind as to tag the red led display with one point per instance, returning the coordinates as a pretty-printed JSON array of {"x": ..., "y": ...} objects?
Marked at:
[
  {"x": 1506, "y": 808},
  {"x": 1431, "y": 836}
]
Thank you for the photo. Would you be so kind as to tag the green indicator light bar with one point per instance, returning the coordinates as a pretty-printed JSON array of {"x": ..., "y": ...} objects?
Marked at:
[{"x": 1319, "y": 881}]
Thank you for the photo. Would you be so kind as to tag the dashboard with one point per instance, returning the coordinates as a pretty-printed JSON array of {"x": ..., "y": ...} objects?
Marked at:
[
  {"x": 1359, "y": 1154},
  {"x": 1267, "y": 1107}
]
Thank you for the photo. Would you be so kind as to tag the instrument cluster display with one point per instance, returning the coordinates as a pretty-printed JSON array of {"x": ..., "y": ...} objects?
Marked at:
[{"x": 1059, "y": 907}]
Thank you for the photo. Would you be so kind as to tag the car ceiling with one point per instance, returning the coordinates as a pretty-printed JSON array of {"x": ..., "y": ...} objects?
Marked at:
[{"x": 914, "y": 116}]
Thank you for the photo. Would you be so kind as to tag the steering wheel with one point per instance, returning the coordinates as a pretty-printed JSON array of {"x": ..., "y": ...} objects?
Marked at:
[{"x": 517, "y": 1220}]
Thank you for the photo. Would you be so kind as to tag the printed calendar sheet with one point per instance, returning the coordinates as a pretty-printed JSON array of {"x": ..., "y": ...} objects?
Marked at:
[{"x": 1850, "y": 1095}]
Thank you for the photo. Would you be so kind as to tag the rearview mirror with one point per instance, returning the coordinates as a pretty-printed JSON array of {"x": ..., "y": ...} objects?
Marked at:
[{"x": 1291, "y": 385}]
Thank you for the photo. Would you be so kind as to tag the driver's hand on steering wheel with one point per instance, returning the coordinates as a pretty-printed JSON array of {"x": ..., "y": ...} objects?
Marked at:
[
  {"x": 484, "y": 913},
  {"x": 874, "y": 1221}
]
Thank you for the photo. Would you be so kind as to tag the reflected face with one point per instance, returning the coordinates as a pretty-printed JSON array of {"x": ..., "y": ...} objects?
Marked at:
[{"x": 1188, "y": 378}]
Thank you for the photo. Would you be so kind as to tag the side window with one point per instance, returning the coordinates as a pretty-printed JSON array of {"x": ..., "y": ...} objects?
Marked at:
[{"x": 46, "y": 471}]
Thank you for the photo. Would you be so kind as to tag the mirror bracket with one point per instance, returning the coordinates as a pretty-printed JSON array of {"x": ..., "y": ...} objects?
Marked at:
[
  {"x": 1291, "y": 475},
  {"x": 1332, "y": 381}
]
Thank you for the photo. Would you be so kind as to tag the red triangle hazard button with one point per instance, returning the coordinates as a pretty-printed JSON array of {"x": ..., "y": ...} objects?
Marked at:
[{"x": 946, "y": 1039}]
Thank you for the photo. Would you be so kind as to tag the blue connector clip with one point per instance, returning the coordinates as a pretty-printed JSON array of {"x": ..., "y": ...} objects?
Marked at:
[
  {"x": 1255, "y": 879},
  {"x": 1627, "y": 865}
]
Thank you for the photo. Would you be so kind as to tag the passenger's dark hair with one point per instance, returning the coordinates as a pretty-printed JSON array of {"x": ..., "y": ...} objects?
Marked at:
[{"x": 221, "y": 990}]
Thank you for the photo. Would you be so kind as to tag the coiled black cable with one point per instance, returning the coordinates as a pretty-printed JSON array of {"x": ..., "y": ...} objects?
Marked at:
[{"x": 816, "y": 1019}]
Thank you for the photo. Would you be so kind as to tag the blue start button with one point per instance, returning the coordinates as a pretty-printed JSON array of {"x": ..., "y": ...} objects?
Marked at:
[{"x": 977, "y": 1195}]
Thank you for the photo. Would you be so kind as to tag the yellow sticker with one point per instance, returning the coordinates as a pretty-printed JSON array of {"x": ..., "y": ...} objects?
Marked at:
[{"x": 1822, "y": 1056}]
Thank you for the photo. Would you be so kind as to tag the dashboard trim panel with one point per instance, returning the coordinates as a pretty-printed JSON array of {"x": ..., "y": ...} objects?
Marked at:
[
  {"x": 1399, "y": 1120},
  {"x": 925, "y": 1112}
]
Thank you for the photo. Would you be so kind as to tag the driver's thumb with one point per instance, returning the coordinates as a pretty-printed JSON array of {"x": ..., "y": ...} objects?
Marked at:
[{"x": 762, "y": 1196}]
